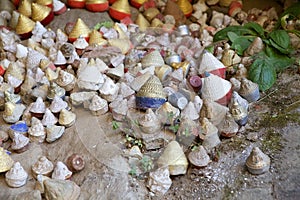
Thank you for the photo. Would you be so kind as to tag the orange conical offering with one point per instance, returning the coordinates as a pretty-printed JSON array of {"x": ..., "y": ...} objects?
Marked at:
[
  {"x": 186, "y": 7},
  {"x": 79, "y": 29},
  {"x": 25, "y": 8},
  {"x": 120, "y": 9},
  {"x": 24, "y": 26},
  {"x": 76, "y": 3},
  {"x": 42, "y": 13},
  {"x": 96, "y": 5},
  {"x": 96, "y": 38},
  {"x": 137, "y": 3},
  {"x": 48, "y": 3}
]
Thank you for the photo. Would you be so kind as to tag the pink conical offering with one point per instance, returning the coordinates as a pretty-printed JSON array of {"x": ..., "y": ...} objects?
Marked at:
[
  {"x": 209, "y": 63},
  {"x": 216, "y": 89}
]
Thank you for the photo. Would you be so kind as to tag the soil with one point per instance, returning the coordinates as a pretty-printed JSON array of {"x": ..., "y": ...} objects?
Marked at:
[{"x": 274, "y": 126}]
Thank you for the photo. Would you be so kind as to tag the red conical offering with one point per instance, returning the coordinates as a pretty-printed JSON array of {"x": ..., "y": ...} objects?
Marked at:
[
  {"x": 48, "y": 3},
  {"x": 97, "y": 5},
  {"x": 76, "y": 3}
]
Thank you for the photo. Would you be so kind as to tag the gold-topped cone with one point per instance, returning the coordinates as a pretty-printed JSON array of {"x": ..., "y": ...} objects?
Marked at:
[
  {"x": 24, "y": 25},
  {"x": 186, "y": 7},
  {"x": 120, "y": 9},
  {"x": 6, "y": 162},
  {"x": 44, "y": 2},
  {"x": 79, "y": 29},
  {"x": 39, "y": 12},
  {"x": 152, "y": 88},
  {"x": 25, "y": 8},
  {"x": 142, "y": 22}
]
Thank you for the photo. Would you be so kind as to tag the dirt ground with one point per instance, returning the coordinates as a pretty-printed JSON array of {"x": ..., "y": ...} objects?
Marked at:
[{"x": 274, "y": 126}]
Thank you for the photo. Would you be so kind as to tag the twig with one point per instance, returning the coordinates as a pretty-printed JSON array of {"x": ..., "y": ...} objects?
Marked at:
[{"x": 267, "y": 95}]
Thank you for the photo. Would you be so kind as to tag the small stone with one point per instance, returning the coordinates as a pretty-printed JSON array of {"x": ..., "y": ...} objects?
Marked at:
[{"x": 159, "y": 181}]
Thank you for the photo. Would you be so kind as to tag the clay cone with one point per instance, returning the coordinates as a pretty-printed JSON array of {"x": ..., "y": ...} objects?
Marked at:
[
  {"x": 142, "y": 22},
  {"x": 97, "y": 5},
  {"x": 120, "y": 9},
  {"x": 42, "y": 13},
  {"x": 25, "y": 8},
  {"x": 6, "y": 161},
  {"x": 76, "y": 3},
  {"x": 96, "y": 38},
  {"x": 24, "y": 26},
  {"x": 79, "y": 29},
  {"x": 186, "y": 7},
  {"x": 137, "y": 3},
  {"x": 48, "y": 3},
  {"x": 173, "y": 9}
]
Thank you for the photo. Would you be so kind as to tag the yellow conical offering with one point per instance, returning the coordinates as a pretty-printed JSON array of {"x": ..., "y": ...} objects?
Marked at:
[
  {"x": 25, "y": 8},
  {"x": 79, "y": 29},
  {"x": 41, "y": 13},
  {"x": 6, "y": 162},
  {"x": 24, "y": 26},
  {"x": 186, "y": 7},
  {"x": 96, "y": 38},
  {"x": 48, "y": 3},
  {"x": 142, "y": 22}
]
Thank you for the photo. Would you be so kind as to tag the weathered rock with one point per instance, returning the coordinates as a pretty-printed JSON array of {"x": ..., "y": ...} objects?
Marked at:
[
  {"x": 159, "y": 181},
  {"x": 61, "y": 190},
  {"x": 199, "y": 157},
  {"x": 31, "y": 195}
]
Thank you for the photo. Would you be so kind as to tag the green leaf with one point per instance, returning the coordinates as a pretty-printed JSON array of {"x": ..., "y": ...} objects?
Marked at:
[
  {"x": 281, "y": 38},
  {"x": 257, "y": 28},
  {"x": 239, "y": 30},
  {"x": 279, "y": 48},
  {"x": 240, "y": 45},
  {"x": 232, "y": 36},
  {"x": 279, "y": 61},
  {"x": 263, "y": 73}
]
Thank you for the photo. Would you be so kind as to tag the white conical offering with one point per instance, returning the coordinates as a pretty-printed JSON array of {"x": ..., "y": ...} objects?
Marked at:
[
  {"x": 211, "y": 64},
  {"x": 153, "y": 58},
  {"x": 174, "y": 158},
  {"x": 38, "y": 31},
  {"x": 159, "y": 181},
  {"x": 12, "y": 112},
  {"x": 54, "y": 132},
  {"x": 109, "y": 90},
  {"x": 119, "y": 108},
  {"x": 20, "y": 142},
  {"x": 37, "y": 131},
  {"x": 34, "y": 58},
  {"x": 213, "y": 111},
  {"x": 16, "y": 176},
  {"x": 42, "y": 167},
  {"x": 58, "y": 7},
  {"x": 89, "y": 77},
  {"x": 199, "y": 157},
  {"x": 236, "y": 97},
  {"x": 149, "y": 122},
  {"x": 61, "y": 171},
  {"x": 49, "y": 118},
  {"x": 125, "y": 91},
  {"x": 210, "y": 137},
  {"x": 66, "y": 118},
  {"x": 190, "y": 111},
  {"x": 215, "y": 88},
  {"x": 60, "y": 59},
  {"x": 57, "y": 104},
  {"x": 98, "y": 106},
  {"x": 66, "y": 80},
  {"x": 38, "y": 106},
  {"x": 80, "y": 43}
]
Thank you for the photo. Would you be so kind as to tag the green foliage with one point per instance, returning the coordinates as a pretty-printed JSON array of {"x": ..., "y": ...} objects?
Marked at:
[
  {"x": 107, "y": 24},
  {"x": 147, "y": 163},
  {"x": 131, "y": 141},
  {"x": 274, "y": 58},
  {"x": 115, "y": 125}
]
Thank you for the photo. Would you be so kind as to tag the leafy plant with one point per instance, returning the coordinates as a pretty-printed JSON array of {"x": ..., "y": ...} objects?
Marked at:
[
  {"x": 115, "y": 125},
  {"x": 274, "y": 58},
  {"x": 147, "y": 164},
  {"x": 131, "y": 141}
]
